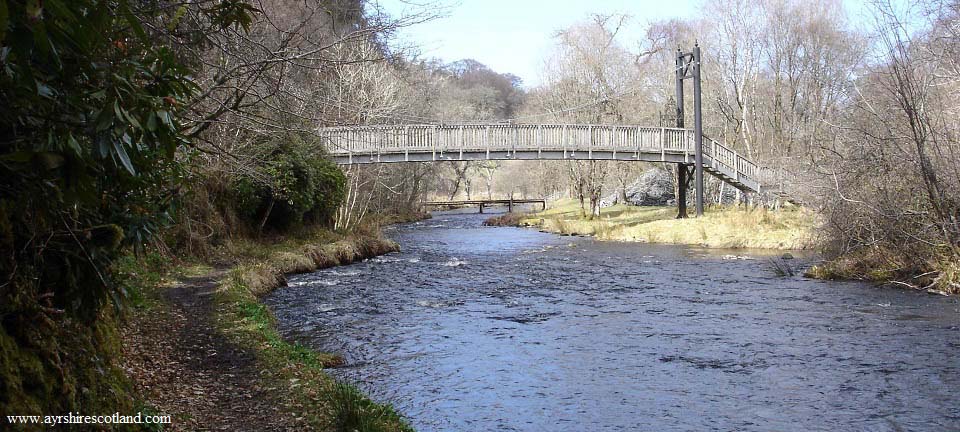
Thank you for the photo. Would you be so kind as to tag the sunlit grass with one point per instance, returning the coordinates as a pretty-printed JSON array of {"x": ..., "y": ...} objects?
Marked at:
[{"x": 720, "y": 227}]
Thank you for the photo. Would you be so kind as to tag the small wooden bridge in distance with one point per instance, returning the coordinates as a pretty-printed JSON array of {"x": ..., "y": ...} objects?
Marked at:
[{"x": 488, "y": 202}]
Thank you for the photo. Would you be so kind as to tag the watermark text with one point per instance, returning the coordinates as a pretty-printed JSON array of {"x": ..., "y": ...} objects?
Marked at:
[{"x": 76, "y": 418}]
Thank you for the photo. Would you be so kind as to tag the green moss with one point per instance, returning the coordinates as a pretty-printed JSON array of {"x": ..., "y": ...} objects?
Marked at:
[
  {"x": 20, "y": 368},
  {"x": 57, "y": 364},
  {"x": 879, "y": 275},
  {"x": 66, "y": 367},
  {"x": 823, "y": 272}
]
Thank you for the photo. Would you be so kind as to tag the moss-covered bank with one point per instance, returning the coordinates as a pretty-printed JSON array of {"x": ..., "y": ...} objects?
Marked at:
[
  {"x": 61, "y": 366},
  {"x": 299, "y": 370},
  {"x": 55, "y": 364}
]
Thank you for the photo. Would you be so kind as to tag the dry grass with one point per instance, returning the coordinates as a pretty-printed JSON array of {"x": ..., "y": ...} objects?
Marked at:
[
  {"x": 948, "y": 276},
  {"x": 259, "y": 279},
  {"x": 291, "y": 262},
  {"x": 940, "y": 273},
  {"x": 872, "y": 264},
  {"x": 720, "y": 227},
  {"x": 506, "y": 219},
  {"x": 260, "y": 276}
]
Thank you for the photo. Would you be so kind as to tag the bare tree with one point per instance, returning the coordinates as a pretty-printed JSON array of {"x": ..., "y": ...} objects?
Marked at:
[
  {"x": 590, "y": 70},
  {"x": 893, "y": 170}
]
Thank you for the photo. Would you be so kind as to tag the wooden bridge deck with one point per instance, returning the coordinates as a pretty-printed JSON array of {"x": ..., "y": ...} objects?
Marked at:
[{"x": 418, "y": 143}]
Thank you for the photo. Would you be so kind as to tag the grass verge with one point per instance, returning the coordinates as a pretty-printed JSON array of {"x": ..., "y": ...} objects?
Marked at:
[
  {"x": 720, "y": 227},
  {"x": 297, "y": 370},
  {"x": 294, "y": 373}
]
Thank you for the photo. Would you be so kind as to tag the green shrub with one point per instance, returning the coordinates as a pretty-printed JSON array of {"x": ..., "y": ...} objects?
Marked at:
[
  {"x": 292, "y": 186},
  {"x": 89, "y": 133}
]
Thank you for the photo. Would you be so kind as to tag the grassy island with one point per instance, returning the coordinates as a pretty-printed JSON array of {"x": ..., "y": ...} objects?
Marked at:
[{"x": 720, "y": 227}]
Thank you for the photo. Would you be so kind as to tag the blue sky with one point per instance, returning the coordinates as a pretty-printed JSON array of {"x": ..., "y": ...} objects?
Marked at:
[{"x": 515, "y": 36}]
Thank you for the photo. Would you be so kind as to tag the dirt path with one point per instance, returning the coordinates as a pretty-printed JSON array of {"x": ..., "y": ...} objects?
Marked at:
[{"x": 184, "y": 367}]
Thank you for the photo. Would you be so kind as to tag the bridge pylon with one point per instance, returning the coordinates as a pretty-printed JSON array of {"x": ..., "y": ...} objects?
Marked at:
[{"x": 688, "y": 67}]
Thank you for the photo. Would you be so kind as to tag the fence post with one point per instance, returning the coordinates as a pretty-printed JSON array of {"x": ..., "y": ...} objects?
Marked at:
[
  {"x": 539, "y": 139},
  {"x": 663, "y": 145},
  {"x": 590, "y": 142},
  {"x": 736, "y": 166},
  {"x": 433, "y": 141},
  {"x": 486, "y": 146},
  {"x": 563, "y": 139}
]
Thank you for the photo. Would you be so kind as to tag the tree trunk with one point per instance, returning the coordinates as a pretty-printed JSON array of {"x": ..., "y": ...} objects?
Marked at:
[
  {"x": 266, "y": 215},
  {"x": 460, "y": 174}
]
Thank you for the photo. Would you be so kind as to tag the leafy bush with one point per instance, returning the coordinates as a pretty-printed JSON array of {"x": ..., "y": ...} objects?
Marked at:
[
  {"x": 293, "y": 186},
  {"x": 89, "y": 129},
  {"x": 87, "y": 146}
]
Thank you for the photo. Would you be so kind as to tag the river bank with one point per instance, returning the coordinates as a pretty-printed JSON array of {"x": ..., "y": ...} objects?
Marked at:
[
  {"x": 940, "y": 273},
  {"x": 200, "y": 345},
  {"x": 721, "y": 227},
  {"x": 790, "y": 228}
]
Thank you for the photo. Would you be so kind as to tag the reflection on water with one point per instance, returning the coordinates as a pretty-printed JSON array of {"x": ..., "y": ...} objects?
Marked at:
[{"x": 475, "y": 328}]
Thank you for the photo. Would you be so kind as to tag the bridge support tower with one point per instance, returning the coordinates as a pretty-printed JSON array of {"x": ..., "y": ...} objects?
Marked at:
[
  {"x": 688, "y": 67},
  {"x": 685, "y": 175}
]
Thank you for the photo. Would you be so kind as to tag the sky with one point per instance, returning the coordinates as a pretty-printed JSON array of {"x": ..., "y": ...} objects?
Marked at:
[{"x": 515, "y": 36}]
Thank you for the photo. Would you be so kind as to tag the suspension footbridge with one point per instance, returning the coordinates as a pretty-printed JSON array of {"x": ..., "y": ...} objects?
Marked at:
[
  {"x": 693, "y": 152},
  {"x": 470, "y": 142}
]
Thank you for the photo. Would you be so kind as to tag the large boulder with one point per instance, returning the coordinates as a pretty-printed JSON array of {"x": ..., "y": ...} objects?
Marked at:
[{"x": 653, "y": 188}]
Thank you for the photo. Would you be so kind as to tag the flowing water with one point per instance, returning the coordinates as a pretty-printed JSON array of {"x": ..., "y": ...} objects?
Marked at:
[{"x": 472, "y": 328}]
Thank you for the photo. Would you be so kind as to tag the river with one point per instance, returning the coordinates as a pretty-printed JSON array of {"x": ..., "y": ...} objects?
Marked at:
[{"x": 472, "y": 328}]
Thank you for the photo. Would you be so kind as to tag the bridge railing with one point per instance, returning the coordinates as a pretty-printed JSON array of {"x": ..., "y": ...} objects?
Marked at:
[
  {"x": 438, "y": 139},
  {"x": 390, "y": 139},
  {"x": 729, "y": 162}
]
